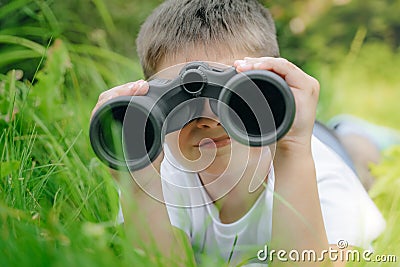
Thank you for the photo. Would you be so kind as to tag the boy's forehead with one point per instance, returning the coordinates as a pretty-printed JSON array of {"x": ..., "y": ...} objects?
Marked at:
[{"x": 211, "y": 55}]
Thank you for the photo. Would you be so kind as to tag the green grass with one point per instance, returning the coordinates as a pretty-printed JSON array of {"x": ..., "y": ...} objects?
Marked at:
[{"x": 365, "y": 84}]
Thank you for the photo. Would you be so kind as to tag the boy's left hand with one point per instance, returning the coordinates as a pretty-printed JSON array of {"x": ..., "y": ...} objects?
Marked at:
[{"x": 304, "y": 88}]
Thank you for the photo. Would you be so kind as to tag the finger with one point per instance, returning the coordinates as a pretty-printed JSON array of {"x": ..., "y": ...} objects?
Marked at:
[
  {"x": 243, "y": 65},
  {"x": 292, "y": 74},
  {"x": 248, "y": 63},
  {"x": 280, "y": 66},
  {"x": 129, "y": 89},
  {"x": 140, "y": 87}
]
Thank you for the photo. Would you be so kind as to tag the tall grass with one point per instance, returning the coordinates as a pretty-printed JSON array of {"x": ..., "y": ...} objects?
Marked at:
[{"x": 58, "y": 204}]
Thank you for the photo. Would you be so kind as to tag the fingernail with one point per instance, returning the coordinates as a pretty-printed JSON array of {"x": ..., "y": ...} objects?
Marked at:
[
  {"x": 141, "y": 84},
  {"x": 245, "y": 65},
  {"x": 239, "y": 62},
  {"x": 132, "y": 85}
]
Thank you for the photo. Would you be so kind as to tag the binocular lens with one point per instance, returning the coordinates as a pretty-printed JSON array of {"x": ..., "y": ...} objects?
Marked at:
[
  {"x": 257, "y": 118},
  {"x": 137, "y": 140},
  {"x": 256, "y": 108},
  {"x": 126, "y": 134},
  {"x": 110, "y": 132}
]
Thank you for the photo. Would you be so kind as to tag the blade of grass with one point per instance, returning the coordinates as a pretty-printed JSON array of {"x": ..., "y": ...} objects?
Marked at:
[
  {"x": 26, "y": 31},
  {"x": 105, "y": 15},
  {"x": 15, "y": 56},
  {"x": 49, "y": 15},
  {"x": 12, "y": 6},
  {"x": 102, "y": 53},
  {"x": 11, "y": 39}
]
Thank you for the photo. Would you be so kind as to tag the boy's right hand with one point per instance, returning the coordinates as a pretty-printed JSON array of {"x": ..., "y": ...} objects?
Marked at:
[{"x": 137, "y": 88}]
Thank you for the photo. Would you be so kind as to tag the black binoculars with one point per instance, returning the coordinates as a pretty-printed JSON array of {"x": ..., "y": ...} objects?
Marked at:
[{"x": 256, "y": 108}]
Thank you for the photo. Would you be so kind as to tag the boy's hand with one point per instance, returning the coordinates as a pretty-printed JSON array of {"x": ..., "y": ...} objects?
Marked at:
[
  {"x": 139, "y": 87},
  {"x": 305, "y": 90}
]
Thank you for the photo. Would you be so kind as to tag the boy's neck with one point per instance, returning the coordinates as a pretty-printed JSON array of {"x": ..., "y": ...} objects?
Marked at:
[{"x": 235, "y": 205}]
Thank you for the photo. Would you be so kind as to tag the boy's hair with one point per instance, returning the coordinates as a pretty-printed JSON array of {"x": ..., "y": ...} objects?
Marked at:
[{"x": 179, "y": 26}]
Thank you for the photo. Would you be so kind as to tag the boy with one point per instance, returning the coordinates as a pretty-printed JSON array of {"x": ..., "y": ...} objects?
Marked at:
[{"x": 311, "y": 198}]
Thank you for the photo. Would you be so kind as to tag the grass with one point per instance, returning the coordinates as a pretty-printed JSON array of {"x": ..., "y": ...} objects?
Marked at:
[{"x": 58, "y": 203}]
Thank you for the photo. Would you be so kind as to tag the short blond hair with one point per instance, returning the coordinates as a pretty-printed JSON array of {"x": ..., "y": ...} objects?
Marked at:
[{"x": 178, "y": 25}]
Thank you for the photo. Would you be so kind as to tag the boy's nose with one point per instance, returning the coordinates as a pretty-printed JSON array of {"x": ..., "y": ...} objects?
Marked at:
[{"x": 208, "y": 119}]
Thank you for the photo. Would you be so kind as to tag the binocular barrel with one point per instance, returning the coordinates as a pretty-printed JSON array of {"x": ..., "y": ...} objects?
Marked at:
[{"x": 256, "y": 108}]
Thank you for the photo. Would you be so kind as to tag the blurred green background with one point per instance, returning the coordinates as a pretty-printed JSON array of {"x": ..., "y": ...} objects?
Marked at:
[{"x": 58, "y": 202}]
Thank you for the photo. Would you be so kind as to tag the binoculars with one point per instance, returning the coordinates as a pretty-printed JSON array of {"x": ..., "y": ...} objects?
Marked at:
[{"x": 256, "y": 108}]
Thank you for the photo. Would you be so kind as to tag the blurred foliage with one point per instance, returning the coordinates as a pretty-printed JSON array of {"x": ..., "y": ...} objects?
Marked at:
[
  {"x": 386, "y": 196},
  {"x": 311, "y": 33},
  {"x": 315, "y": 32},
  {"x": 114, "y": 25},
  {"x": 352, "y": 47}
]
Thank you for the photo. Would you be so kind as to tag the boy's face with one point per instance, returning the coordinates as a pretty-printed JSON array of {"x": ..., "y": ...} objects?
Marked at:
[{"x": 203, "y": 145}]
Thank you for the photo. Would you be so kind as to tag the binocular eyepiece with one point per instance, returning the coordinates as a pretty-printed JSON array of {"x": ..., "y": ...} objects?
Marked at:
[{"x": 256, "y": 108}]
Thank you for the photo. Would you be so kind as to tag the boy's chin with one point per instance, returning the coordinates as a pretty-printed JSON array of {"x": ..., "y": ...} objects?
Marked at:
[
  {"x": 228, "y": 165},
  {"x": 220, "y": 165},
  {"x": 229, "y": 160},
  {"x": 238, "y": 161},
  {"x": 212, "y": 163}
]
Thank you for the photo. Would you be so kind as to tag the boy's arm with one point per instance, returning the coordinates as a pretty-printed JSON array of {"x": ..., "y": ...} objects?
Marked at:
[
  {"x": 297, "y": 219},
  {"x": 145, "y": 214},
  {"x": 146, "y": 217},
  {"x": 297, "y": 222}
]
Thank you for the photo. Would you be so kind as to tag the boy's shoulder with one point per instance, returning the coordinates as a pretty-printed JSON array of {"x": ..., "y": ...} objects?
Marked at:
[
  {"x": 330, "y": 156},
  {"x": 349, "y": 213}
]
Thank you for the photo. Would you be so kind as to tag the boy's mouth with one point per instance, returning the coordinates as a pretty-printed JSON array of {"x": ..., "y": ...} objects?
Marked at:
[{"x": 214, "y": 142}]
